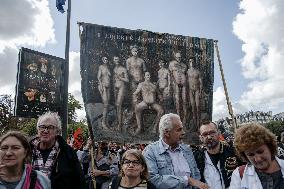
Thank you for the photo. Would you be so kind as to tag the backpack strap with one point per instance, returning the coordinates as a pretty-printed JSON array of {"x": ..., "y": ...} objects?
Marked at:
[
  {"x": 33, "y": 177},
  {"x": 241, "y": 170}
]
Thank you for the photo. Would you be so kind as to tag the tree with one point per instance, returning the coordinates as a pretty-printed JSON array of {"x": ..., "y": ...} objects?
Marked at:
[
  {"x": 73, "y": 105},
  {"x": 6, "y": 114},
  {"x": 5, "y": 109},
  {"x": 276, "y": 127},
  {"x": 28, "y": 125}
]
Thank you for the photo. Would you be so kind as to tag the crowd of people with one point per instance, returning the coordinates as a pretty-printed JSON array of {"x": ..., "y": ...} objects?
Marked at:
[{"x": 253, "y": 161}]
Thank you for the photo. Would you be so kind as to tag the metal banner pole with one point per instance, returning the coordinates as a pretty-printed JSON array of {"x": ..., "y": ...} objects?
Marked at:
[{"x": 66, "y": 78}]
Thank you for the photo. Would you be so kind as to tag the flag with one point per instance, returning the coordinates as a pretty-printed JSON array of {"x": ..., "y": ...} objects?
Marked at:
[
  {"x": 59, "y": 5},
  {"x": 78, "y": 139},
  {"x": 221, "y": 137}
]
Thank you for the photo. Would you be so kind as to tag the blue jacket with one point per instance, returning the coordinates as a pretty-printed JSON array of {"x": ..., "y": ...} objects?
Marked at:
[{"x": 161, "y": 168}]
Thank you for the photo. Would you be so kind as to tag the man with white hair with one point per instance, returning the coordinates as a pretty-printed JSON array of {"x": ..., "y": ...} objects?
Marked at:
[
  {"x": 53, "y": 156},
  {"x": 171, "y": 163}
]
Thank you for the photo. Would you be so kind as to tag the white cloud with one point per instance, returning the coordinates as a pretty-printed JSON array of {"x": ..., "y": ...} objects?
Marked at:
[
  {"x": 8, "y": 89},
  {"x": 74, "y": 75},
  {"x": 75, "y": 82},
  {"x": 25, "y": 22},
  {"x": 8, "y": 65},
  {"x": 22, "y": 23},
  {"x": 260, "y": 26},
  {"x": 220, "y": 109}
]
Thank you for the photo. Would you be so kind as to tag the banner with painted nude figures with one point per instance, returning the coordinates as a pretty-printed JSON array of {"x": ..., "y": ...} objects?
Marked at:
[
  {"x": 39, "y": 83},
  {"x": 130, "y": 78}
]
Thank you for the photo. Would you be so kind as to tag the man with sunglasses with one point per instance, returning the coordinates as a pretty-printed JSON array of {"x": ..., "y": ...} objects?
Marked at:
[
  {"x": 53, "y": 156},
  {"x": 216, "y": 160}
]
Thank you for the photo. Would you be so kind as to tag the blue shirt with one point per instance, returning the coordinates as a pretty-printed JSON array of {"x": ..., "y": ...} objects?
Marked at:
[{"x": 181, "y": 167}]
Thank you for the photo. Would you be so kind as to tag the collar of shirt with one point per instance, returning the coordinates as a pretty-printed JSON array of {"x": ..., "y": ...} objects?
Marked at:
[{"x": 164, "y": 147}]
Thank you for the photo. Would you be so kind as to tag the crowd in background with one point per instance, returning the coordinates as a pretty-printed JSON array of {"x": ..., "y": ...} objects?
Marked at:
[{"x": 252, "y": 159}]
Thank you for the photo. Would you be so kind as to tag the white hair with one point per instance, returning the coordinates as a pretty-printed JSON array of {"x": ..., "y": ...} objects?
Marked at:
[
  {"x": 51, "y": 115},
  {"x": 166, "y": 123}
]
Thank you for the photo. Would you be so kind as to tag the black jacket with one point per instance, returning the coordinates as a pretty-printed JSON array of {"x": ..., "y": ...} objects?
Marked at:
[
  {"x": 228, "y": 162},
  {"x": 66, "y": 171}
]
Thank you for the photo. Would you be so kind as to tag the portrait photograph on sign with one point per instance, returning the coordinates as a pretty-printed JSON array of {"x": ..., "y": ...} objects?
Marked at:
[
  {"x": 130, "y": 78},
  {"x": 39, "y": 83}
]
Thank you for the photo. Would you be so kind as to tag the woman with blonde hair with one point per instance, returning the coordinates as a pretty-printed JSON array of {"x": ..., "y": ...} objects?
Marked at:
[
  {"x": 134, "y": 172},
  {"x": 15, "y": 169},
  {"x": 258, "y": 147}
]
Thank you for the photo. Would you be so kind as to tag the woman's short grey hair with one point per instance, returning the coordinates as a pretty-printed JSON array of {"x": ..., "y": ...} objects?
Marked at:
[
  {"x": 166, "y": 123},
  {"x": 51, "y": 115}
]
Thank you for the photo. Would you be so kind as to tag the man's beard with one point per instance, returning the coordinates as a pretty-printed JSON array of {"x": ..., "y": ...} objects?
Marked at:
[{"x": 212, "y": 144}]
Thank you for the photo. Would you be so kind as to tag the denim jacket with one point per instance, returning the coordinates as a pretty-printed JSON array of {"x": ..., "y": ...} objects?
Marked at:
[{"x": 161, "y": 168}]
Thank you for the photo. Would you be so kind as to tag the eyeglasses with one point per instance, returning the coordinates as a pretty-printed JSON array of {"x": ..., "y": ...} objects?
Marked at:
[
  {"x": 209, "y": 133},
  {"x": 46, "y": 127},
  {"x": 134, "y": 162}
]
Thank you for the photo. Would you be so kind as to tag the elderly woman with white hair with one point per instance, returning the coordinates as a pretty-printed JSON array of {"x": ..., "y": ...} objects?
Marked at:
[
  {"x": 54, "y": 157},
  {"x": 171, "y": 163}
]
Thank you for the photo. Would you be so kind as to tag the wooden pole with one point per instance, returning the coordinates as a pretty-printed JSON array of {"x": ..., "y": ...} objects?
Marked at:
[
  {"x": 66, "y": 78},
  {"x": 91, "y": 133},
  {"x": 225, "y": 86},
  {"x": 93, "y": 166}
]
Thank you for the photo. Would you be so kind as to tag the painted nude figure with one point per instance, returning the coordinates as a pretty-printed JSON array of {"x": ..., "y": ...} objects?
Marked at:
[
  {"x": 195, "y": 90},
  {"x": 120, "y": 80},
  {"x": 136, "y": 68},
  {"x": 164, "y": 79},
  {"x": 44, "y": 64},
  {"x": 178, "y": 78},
  {"x": 104, "y": 88},
  {"x": 149, "y": 93}
]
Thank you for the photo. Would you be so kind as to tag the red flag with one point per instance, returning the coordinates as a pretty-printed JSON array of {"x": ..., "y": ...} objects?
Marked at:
[
  {"x": 78, "y": 139},
  {"x": 221, "y": 137}
]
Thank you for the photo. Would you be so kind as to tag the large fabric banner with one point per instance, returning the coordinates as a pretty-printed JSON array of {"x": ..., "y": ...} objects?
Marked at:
[
  {"x": 39, "y": 83},
  {"x": 130, "y": 78}
]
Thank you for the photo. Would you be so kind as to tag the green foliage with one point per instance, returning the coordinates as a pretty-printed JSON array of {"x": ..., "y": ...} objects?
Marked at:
[
  {"x": 275, "y": 127},
  {"x": 73, "y": 105},
  {"x": 28, "y": 126},
  {"x": 5, "y": 110},
  {"x": 6, "y": 114}
]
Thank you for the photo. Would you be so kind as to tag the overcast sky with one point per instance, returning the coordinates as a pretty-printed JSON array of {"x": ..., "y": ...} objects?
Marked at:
[{"x": 250, "y": 35}]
